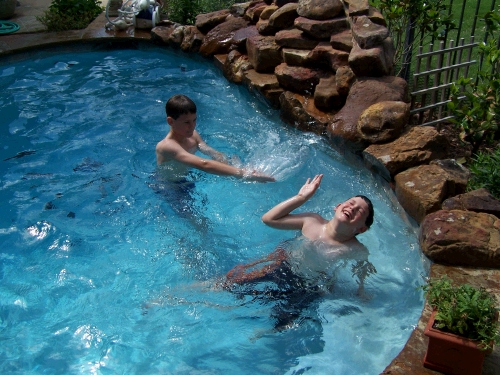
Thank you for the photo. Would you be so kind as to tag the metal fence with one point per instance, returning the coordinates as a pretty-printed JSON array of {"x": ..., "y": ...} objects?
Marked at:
[
  {"x": 435, "y": 72},
  {"x": 439, "y": 63}
]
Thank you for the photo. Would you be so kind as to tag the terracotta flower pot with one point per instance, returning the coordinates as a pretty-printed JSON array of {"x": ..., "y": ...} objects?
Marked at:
[{"x": 452, "y": 354}]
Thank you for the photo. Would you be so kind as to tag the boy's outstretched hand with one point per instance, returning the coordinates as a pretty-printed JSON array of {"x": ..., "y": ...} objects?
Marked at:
[
  {"x": 310, "y": 187},
  {"x": 258, "y": 176}
]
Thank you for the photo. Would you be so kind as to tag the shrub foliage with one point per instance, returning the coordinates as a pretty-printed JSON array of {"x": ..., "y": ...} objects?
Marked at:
[
  {"x": 485, "y": 172},
  {"x": 464, "y": 310},
  {"x": 70, "y": 14}
]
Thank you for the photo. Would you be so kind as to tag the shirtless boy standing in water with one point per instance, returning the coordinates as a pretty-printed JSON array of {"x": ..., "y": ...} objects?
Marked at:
[
  {"x": 334, "y": 239},
  {"x": 178, "y": 148},
  {"x": 351, "y": 218}
]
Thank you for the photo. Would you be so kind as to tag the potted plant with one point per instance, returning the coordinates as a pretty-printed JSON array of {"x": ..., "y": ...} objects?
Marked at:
[{"x": 462, "y": 329}]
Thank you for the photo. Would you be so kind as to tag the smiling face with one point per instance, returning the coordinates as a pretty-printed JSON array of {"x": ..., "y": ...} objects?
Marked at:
[
  {"x": 183, "y": 125},
  {"x": 353, "y": 213}
]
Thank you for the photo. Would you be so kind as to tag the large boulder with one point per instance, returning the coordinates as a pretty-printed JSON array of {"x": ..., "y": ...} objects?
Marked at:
[
  {"x": 342, "y": 41},
  {"x": 263, "y": 53},
  {"x": 240, "y": 36},
  {"x": 320, "y": 9},
  {"x": 207, "y": 21},
  {"x": 367, "y": 33},
  {"x": 364, "y": 93},
  {"x": 358, "y": 8},
  {"x": 421, "y": 190},
  {"x": 220, "y": 38},
  {"x": 344, "y": 79},
  {"x": 235, "y": 65},
  {"x": 373, "y": 62},
  {"x": 254, "y": 10},
  {"x": 265, "y": 83},
  {"x": 268, "y": 11},
  {"x": 170, "y": 34},
  {"x": 461, "y": 238},
  {"x": 418, "y": 145},
  {"x": 479, "y": 200},
  {"x": 296, "y": 57},
  {"x": 294, "y": 38},
  {"x": 321, "y": 30},
  {"x": 458, "y": 175},
  {"x": 327, "y": 57},
  {"x": 192, "y": 40},
  {"x": 326, "y": 95},
  {"x": 297, "y": 78},
  {"x": 383, "y": 121},
  {"x": 284, "y": 16}
]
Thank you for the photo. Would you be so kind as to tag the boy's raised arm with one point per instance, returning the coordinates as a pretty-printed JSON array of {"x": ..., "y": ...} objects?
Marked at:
[{"x": 279, "y": 216}]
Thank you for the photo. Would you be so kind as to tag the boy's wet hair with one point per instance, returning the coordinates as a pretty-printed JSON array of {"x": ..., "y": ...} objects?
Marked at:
[
  {"x": 371, "y": 212},
  {"x": 179, "y": 105}
]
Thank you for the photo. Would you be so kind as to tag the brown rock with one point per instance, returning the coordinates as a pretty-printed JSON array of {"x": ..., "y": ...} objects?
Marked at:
[
  {"x": 254, "y": 11},
  {"x": 296, "y": 57},
  {"x": 265, "y": 28},
  {"x": 326, "y": 96},
  {"x": 268, "y": 11},
  {"x": 479, "y": 200},
  {"x": 239, "y": 9},
  {"x": 421, "y": 190},
  {"x": 284, "y": 16},
  {"x": 418, "y": 145},
  {"x": 376, "y": 17},
  {"x": 220, "y": 60},
  {"x": 171, "y": 35},
  {"x": 240, "y": 36},
  {"x": 368, "y": 34},
  {"x": 373, "y": 62},
  {"x": 192, "y": 40},
  {"x": 206, "y": 22},
  {"x": 235, "y": 65},
  {"x": 263, "y": 53},
  {"x": 458, "y": 175},
  {"x": 220, "y": 38},
  {"x": 297, "y": 78},
  {"x": 324, "y": 55},
  {"x": 383, "y": 121},
  {"x": 342, "y": 41},
  {"x": 320, "y": 9},
  {"x": 299, "y": 111},
  {"x": 363, "y": 93},
  {"x": 295, "y": 38},
  {"x": 259, "y": 81},
  {"x": 461, "y": 238},
  {"x": 344, "y": 78},
  {"x": 358, "y": 8},
  {"x": 321, "y": 30}
]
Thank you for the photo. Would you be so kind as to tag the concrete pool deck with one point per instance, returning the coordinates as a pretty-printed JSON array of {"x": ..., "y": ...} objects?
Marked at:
[{"x": 32, "y": 35}]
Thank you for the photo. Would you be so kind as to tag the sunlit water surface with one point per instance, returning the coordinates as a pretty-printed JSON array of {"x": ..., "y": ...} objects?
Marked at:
[{"x": 99, "y": 274}]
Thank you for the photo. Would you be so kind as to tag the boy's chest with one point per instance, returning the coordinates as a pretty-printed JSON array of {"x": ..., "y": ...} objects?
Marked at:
[{"x": 190, "y": 145}]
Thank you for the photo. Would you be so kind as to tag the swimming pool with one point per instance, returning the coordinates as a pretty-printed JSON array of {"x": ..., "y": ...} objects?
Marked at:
[{"x": 101, "y": 275}]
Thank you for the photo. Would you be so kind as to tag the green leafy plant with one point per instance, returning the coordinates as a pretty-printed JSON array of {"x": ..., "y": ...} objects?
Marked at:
[
  {"x": 70, "y": 14},
  {"x": 415, "y": 20},
  {"x": 464, "y": 310},
  {"x": 185, "y": 11},
  {"x": 475, "y": 103},
  {"x": 485, "y": 172}
]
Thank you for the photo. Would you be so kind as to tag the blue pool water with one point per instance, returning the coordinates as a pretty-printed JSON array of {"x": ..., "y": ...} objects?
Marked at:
[{"x": 100, "y": 275}]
